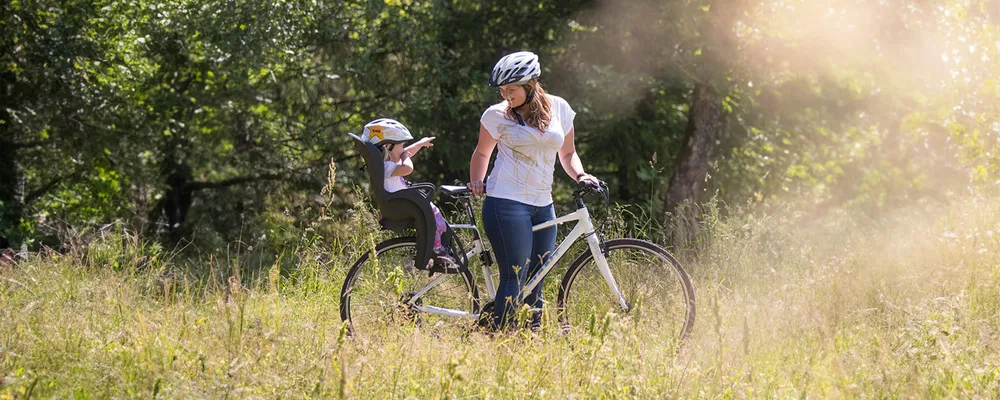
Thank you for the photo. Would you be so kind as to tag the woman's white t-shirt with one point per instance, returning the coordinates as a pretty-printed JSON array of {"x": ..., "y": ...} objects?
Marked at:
[
  {"x": 393, "y": 183},
  {"x": 526, "y": 156}
]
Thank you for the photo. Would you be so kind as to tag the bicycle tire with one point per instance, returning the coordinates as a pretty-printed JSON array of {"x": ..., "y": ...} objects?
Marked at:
[
  {"x": 587, "y": 303},
  {"x": 405, "y": 247}
]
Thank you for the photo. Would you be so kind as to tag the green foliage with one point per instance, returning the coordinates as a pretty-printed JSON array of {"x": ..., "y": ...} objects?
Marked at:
[{"x": 216, "y": 121}]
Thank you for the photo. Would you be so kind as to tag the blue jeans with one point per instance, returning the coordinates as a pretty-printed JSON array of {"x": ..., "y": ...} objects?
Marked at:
[{"x": 519, "y": 252}]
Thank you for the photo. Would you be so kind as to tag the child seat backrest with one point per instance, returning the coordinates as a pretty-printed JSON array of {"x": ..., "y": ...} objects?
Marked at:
[{"x": 406, "y": 208}]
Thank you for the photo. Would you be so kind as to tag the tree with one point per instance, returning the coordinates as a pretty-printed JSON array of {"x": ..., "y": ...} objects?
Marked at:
[
  {"x": 213, "y": 120},
  {"x": 704, "y": 121},
  {"x": 666, "y": 63},
  {"x": 43, "y": 136}
]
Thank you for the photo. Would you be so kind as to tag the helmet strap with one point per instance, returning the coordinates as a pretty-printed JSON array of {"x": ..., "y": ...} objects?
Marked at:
[
  {"x": 527, "y": 99},
  {"x": 518, "y": 115}
]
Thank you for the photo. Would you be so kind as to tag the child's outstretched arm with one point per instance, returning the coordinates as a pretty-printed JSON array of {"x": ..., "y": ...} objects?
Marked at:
[{"x": 416, "y": 146}]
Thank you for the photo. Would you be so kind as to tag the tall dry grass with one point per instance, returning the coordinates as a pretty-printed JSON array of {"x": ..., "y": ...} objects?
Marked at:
[{"x": 835, "y": 306}]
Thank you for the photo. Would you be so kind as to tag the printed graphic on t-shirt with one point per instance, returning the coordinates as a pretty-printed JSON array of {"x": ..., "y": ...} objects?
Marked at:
[{"x": 506, "y": 132}]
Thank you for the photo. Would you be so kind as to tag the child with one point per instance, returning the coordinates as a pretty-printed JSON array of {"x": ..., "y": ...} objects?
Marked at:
[{"x": 390, "y": 136}]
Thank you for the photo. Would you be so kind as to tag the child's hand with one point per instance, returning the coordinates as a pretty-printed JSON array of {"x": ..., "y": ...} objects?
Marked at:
[
  {"x": 416, "y": 146},
  {"x": 425, "y": 142}
]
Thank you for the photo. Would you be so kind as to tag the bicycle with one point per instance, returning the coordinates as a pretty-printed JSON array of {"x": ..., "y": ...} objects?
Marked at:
[{"x": 620, "y": 276}]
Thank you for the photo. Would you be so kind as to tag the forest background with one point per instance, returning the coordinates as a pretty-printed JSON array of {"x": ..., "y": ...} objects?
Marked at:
[{"x": 217, "y": 121}]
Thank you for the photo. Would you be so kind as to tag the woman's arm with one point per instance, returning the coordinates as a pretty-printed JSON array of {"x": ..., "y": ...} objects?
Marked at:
[
  {"x": 570, "y": 160},
  {"x": 481, "y": 161}
]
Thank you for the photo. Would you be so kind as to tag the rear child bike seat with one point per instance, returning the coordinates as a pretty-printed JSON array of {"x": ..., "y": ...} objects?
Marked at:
[{"x": 403, "y": 209}]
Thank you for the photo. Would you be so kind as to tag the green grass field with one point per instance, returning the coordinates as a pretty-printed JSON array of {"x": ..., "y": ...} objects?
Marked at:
[{"x": 804, "y": 306}]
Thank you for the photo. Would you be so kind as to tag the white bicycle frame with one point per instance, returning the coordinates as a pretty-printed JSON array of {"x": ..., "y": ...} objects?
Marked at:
[{"x": 584, "y": 227}]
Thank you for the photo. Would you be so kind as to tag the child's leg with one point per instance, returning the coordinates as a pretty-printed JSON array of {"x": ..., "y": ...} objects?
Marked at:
[{"x": 441, "y": 225}]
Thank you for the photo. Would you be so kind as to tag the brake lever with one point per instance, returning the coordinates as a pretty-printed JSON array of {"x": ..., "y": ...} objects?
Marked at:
[
  {"x": 600, "y": 188},
  {"x": 605, "y": 191}
]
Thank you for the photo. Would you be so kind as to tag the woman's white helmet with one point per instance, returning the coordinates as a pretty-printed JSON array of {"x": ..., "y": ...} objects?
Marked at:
[
  {"x": 385, "y": 130},
  {"x": 517, "y": 68}
]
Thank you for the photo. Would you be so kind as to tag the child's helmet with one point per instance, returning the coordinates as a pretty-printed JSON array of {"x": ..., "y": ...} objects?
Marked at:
[
  {"x": 384, "y": 131},
  {"x": 518, "y": 68}
]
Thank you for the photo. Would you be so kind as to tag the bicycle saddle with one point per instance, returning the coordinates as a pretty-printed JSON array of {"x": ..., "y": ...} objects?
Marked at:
[{"x": 455, "y": 191}]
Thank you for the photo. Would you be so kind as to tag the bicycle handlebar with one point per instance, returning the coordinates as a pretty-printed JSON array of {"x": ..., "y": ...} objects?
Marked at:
[{"x": 584, "y": 189}]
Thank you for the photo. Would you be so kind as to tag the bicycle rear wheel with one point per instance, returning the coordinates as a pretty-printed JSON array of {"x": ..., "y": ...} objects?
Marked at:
[
  {"x": 377, "y": 289},
  {"x": 656, "y": 288}
]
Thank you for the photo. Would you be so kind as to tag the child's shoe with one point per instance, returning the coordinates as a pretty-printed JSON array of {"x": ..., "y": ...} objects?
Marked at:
[{"x": 443, "y": 257}]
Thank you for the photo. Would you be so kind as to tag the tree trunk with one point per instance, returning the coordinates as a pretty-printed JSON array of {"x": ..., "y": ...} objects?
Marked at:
[
  {"x": 10, "y": 205},
  {"x": 10, "y": 188},
  {"x": 704, "y": 121},
  {"x": 176, "y": 201}
]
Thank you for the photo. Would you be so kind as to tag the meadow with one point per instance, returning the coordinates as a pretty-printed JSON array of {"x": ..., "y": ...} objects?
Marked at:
[{"x": 790, "y": 304}]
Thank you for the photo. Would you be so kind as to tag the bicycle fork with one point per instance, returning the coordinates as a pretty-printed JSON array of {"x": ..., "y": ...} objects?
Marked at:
[{"x": 597, "y": 249}]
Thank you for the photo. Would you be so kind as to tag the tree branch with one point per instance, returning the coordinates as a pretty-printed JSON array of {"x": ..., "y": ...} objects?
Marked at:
[
  {"x": 34, "y": 143},
  {"x": 265, "y": 177},
  {"x": 233, "y": 181},
  {"x": 41, "y": 191},
  {"x": 680, "y": 66}
]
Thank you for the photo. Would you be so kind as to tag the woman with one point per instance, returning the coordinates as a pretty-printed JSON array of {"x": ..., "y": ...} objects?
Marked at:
[{"x": 531, "y": 128}]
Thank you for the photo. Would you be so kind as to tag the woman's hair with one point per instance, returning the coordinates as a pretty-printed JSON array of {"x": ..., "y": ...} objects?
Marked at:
[{"x": 537, "y": 112}]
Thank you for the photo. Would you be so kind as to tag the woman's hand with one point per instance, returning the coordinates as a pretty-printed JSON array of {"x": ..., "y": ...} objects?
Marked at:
[
  {"x": 585, "y": 177},
  {"x": 477, "y": 187}
]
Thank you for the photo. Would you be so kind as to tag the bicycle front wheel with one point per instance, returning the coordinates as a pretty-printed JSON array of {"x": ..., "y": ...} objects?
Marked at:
[
  {"x": 658, "y": 293},
  {"x": 378, "y": 289}
]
